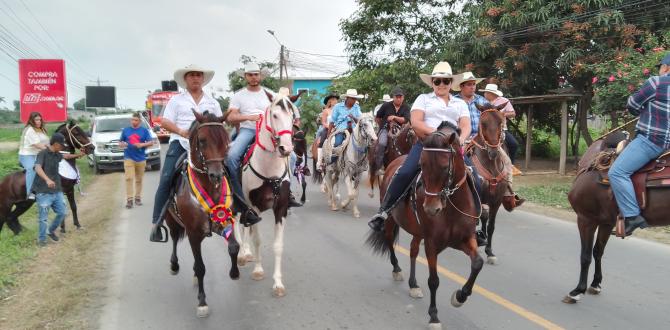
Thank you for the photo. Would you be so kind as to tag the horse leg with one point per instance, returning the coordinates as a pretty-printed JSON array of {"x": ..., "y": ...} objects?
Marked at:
[
  {"x": 176, "y": 231},
  {"x": 278, "y": 289},
  {"x": 476, "y": 262},
  {"x": 390, "y": 234},
  {"x": 586, "y": 232},
  {"x": 233, "y": 251},
  {"x": 604, "y": 232},
  {"x": 303, "y": 198},
  {"x": 73, "y": 207},
  {"x": 354, "y": 198},
  {"x": 493, "y": 212},
  {"x": 13, "y": 217},
  {"x": 348, "y": 182},
  {"x": 331, "y": 188},
  {"x": 258, "y": 273},
  {"x": 199, "y": 271},
  {"x": 243, "y": 234},
  {"x": 414, "y": 288},
  {"x": 433, "y": 284}
]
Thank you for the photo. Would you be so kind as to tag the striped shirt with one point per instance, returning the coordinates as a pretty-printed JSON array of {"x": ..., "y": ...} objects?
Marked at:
[
  {"x": 652, "y": 104},
  {"x": 474, "y": 112}
]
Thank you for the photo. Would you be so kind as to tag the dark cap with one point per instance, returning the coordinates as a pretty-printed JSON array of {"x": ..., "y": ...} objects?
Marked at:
[
  {"x": 330, "y": 96},
  {"x": 57, "y": 138},
  {"x": 397, "y": 91}
]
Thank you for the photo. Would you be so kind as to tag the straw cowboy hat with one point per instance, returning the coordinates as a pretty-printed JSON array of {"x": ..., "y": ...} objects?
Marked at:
[
  {"x": 492, "y": 88},
  {"x": 464, "y": 77},
  {"x": 441, "y": 70},
  {"x": 252, "y": 68},
  {"x": 180, "y": 73},
  {"x": 352, "y": 93},
  {"x": 386, "y": 98}
]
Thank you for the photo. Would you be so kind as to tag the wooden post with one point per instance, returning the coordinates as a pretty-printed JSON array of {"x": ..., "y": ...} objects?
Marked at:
[
  {"x": 564, "y": 138},
  {"x": 529, "y": 134}
]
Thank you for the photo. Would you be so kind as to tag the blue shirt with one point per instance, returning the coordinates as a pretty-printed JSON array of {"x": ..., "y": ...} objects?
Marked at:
[
  {"x": 340, "y": 115},
  {"x": 474, "y": 112},
  {"x": 652, "y": 103},
  {"x": 133, "y": 136}
]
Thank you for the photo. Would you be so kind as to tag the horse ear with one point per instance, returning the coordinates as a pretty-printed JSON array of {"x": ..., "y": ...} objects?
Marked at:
[
  {"x": 269, "y": 95},
  {"x": 198, "y": 116},
  {"x": 451, "y": 138},
  {"x": 502, "y": 106},
  {"x": 481, "y": 108}
]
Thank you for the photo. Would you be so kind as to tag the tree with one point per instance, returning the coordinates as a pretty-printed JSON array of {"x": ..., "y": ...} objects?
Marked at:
[
  {"x": 224, "y": 102},
  {"x": 80, "y": 104},
  {"x": 17, "y": 105},
  {"x": 236, "y": 80},
  {"x": 2, "y": 99}
]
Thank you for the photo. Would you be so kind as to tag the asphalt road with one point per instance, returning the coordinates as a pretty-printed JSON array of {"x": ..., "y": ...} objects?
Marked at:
[{"x": 334, "y": 282}]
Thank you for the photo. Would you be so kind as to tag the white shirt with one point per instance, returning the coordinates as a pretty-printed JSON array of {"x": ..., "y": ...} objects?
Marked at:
[
  {"x": 436, "y": 111},
  {"x": 30, "y": 137},
  {"x": 178, "y": 111},
  {"x": 250, "y": 103}
]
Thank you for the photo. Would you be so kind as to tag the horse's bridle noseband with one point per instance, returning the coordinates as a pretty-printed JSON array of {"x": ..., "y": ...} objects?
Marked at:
[
  {"x": 201, "y": 157},
  {"x": 268, "y": 126},
  {"x": 73, "y": 139},
  {"x": 486, "y": 142}
]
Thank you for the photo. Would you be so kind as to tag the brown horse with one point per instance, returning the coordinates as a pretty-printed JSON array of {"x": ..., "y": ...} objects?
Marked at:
[
  {"x": 597, "y": 210},
  {"x": 13, "y": 199},
  {"x": 208, "y": 140},
  {"x": 441, "y": 210},
  {"x": 400, "y": 141},
  {"x": 301, "y": 169},
  {"x": 484, "y": 151}
]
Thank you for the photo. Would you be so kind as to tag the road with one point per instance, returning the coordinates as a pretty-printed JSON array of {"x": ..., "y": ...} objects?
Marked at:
[{"x": 334, "y": 282}]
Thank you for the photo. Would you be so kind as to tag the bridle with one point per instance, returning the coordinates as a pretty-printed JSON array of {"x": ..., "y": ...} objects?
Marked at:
[
  {"x": 73, "y": 139},
  {"x": 275, "y": 135},
  {"x": 200, "y": 155},
  {"x": 486, "y": 142},
  {"x": 365, "y": 136}
]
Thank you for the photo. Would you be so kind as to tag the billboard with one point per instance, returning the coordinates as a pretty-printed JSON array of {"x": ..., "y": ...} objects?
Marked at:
[
  {"x": 100, "y": 97},
  {"x": 42, "y": 89}
]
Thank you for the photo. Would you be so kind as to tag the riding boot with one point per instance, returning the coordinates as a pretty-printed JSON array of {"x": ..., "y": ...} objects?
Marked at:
[
  {"x": 292, "y": 202},
  {"x": 511, "y": 200},
  {"x": 377, "y": 221},
  {"x": 633, "y": 223},
  {"x": 156, "y": 234},
  {"x": 481, "y": 238},
  {"x": 249, "y": 216}
]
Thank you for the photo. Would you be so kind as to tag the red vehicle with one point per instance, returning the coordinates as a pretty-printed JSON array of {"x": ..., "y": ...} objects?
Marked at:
[{"x": 156, "y": 102}]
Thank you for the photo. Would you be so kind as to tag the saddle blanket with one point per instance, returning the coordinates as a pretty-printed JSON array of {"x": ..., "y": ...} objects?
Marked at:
[{"x": 67, "y": 171}]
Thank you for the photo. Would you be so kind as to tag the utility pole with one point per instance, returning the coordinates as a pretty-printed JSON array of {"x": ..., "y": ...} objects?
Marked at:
[
  {"x": 282, "y": 58},
  {"x": 98, "y": 81}
]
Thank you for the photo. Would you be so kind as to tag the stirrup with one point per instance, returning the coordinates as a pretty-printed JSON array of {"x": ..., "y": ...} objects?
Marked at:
[
  {"x": 377, "y": 221},
  {"x": 159, "y": 233},
  {"x": 249, "y": 218}
]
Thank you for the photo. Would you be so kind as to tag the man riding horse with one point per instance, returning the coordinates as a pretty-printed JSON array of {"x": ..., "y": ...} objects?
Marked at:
[
  {"x": 390, "y": 112},
  {"x": 344, "y": 117},
  {"x": 652, "y": 103}
]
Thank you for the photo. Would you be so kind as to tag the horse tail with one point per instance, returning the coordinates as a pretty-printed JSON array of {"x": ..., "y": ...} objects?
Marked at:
[
  {"x": 376, "y": 240},
  {"x": 317, "y": 177}
]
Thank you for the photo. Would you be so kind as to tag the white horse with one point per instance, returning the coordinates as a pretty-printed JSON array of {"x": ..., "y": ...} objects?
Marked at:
[
  {"x": 352, "y": 162},
  {"x": 266, "y": 184}
]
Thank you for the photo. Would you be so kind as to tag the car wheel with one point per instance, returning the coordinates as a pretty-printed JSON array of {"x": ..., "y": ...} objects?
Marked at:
[
  {"x": 97, "y": 169},
  {"x": 156, "y": 167}
]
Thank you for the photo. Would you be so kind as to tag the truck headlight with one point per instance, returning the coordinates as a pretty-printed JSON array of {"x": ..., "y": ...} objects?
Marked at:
[{"x": 101, "y": 146}]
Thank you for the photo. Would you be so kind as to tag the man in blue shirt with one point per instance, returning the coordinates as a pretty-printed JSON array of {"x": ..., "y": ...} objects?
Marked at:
[
  {"x": 345, "y": 116},
  {"x": 652, "y": 104},
  {"x": 134, "y": 140},
  {"x": 466, "y": 85}
]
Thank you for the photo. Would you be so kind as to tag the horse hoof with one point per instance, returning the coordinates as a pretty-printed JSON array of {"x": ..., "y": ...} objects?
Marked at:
[
  {"x": 492, "y": 260},
  {"x": 397, "y": 276},
  {"x": 203, "y": 311},
  {"x": 594, "y": 290},
  {"x": 371, "y": 194},
  {"x": 435, "y": 326},
  {"x": 278, "y": 291},
  {"x": 572, "y": 299},
  {"x": 334, "y": 208},
  {"x": 241, "y": 261},
  {"x": 174, "y": 271},
  {"x": 257, "y": 275},
  {"x": 249, "y": 258},
  {"x": 415, "y": 293},
  {"x": 234, "y": 274},
  {"x": 454, "y": 300}
]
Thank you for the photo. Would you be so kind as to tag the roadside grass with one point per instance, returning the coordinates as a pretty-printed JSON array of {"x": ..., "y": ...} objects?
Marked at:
[
  {"x": 547, "y": 190},
  {"x": 13, "y": 133},
  {"x": 18, "y": 250}
]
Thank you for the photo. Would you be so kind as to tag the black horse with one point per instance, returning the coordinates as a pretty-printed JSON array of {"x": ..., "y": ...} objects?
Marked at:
[{"x": 13, "y": 199}]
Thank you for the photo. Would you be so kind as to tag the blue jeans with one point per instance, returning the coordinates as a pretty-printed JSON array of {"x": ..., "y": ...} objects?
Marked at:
[
  {"x": 339, "y": 138},
  {"x": 28, "y": 162},
  {"x": 245, "y": 137},
  {"x": 175, "y": 150},
  {"x": 44, "y": 202},
  {"x": 512, "y": 145},
  {"x": 638, "y": 153}
]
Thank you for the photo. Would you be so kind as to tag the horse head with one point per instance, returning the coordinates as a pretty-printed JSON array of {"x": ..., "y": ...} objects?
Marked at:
[
  {"x": 278, "y": 123},
  {"x": 442, "y": 167},
  {"x": 491, "y": 127},
  {"x": 366, "y": 129},
  {"x": 209, "y": 140},
  {"x": 75, "y": 137}
]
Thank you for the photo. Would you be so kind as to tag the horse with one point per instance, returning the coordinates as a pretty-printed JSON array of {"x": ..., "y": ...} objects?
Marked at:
[
  {"x": 596, "y": 209},
  {"x": 266, "y": 184},
  {"x": 301, "y": 169},
  {"x": 13, "y": 199},
  {"x": 484, "y": 151},
  {"x": 440, "y": 208},
  {"x": 194, "y": 211},
  {"x": 351, "y": 163},
  {"x": 400, "y": 141}
]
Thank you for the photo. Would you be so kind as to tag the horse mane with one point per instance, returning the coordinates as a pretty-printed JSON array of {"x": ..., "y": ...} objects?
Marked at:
[{"x": 438, "y": 140}]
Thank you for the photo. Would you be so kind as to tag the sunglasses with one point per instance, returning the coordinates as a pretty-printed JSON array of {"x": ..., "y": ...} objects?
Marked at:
[{"x": 438, "y": 81}]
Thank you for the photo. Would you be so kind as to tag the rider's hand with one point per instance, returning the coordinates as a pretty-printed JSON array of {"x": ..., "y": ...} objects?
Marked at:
[
  {"x": 254, "y": 117},
  {"x": 390, "y": 118},
  {"x": 51, "y": 184}
]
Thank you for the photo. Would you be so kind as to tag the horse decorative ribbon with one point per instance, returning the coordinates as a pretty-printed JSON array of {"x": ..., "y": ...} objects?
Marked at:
[{"x": 218, "y": 212}]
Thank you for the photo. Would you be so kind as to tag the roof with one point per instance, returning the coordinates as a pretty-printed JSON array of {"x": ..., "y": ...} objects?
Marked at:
[
  {"x": 548, "y": 98},
  {"x": 310, "y": 78}
]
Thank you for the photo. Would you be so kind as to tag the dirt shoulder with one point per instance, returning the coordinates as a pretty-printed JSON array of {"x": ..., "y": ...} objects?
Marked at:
[{"x": 67, "y": 279}]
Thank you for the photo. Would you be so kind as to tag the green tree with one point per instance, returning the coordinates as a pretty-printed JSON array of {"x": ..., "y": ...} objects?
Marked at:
[
  {"x": 80, "y": 104},
  {"x": 17, "y": 105},
  {"x": 236, "y": 80},
  {"x": 310, "y": 108},
  {"x": 224, "y": 102}
]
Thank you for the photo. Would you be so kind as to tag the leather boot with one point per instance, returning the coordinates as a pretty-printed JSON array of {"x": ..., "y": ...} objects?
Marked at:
[{"x": 633, "y": 223}]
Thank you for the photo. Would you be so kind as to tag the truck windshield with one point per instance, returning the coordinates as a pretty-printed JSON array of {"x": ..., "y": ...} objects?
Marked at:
[
  {"x": 115, "y": 125},
  {"x": 157, "y": 109}
]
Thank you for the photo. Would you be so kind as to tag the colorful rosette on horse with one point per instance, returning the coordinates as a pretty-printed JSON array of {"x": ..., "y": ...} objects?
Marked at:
[{"x": 220, "y": 211}]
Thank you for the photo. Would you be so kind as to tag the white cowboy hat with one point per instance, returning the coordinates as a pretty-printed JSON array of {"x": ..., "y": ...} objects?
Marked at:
[
  {"x": 441, "y": 70},
  {"x": 352, "y": 93},
  {"x": 492, "y": 88},
  {"x": 463, "y": 77},
  {"x": 252, "y": 67},
  {"x": 386, "y": 98},
  {"x": 180, "y": 73}
]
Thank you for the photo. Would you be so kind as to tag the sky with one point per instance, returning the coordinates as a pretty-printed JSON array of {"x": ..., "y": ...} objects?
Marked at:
[{"x": 134, "y": 44}]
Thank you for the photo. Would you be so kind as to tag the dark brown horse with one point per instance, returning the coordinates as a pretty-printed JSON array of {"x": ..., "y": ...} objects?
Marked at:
[
  {"x": 443, "y": 213},
  {"x": 208, "y": 139},
  {"x": 484, "y": 151},
  {"x": 301, "y": 170},
  {"x": 597, "y": 210},
  {"x": 400, "y": 141},
  {"x": 13, "y": 199}
]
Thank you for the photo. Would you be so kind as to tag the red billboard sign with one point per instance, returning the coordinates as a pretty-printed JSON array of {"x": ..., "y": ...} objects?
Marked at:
[{"x": 43, "y": 89}]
